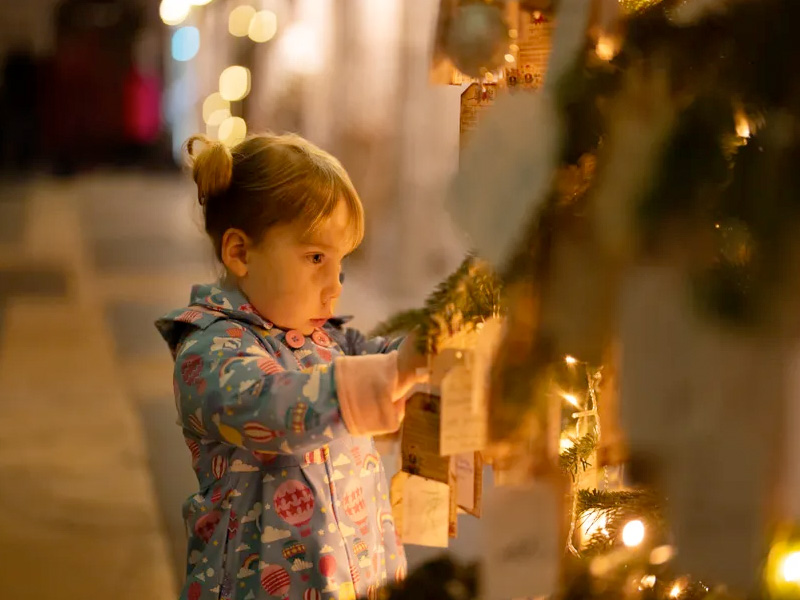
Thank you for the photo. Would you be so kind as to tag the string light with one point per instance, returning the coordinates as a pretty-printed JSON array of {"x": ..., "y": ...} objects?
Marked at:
[
  {"x": 232, "y": 131},
  {"x": 174, "y": 12},
  {"x": 790, "y": 568},
  {"x": 633, "y": 533},
  {"x": 570, "y": 360},
  {"x": 263, "y": 26},
  {"x": 572, "y": 399},
  {"x": 742, "y": 125},
  {"x": 648, "y": 581},
  {"x": 239, "y": 20},
  {"x": 606, "y": 48},
  {"x": 234, "y": 83}
]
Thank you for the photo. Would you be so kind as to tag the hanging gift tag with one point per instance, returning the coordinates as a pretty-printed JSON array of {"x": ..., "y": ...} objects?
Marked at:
[
  {"x": 520, "y": 536},
  {"x": 469, "y": 482},
  {"x": 463, "y": 422},
  {"x": 421, "y": 508},
  {"x": 419, "y": 441}
]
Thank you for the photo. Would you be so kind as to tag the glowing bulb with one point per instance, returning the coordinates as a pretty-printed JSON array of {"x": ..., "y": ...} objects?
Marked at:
[
  {"x": 648, "y": 581},
  {"x": 200, "y": 2},
  {"x": 215, "y": 109},
  {"x": 633, "y": 533},
  {"x": 606, "y": 48},
  {"x": 239, "y": 20},
  {"x": 572, "y": 399},
  {"x": 185, "y": 43},
  {"x": 234, "y": 83},
  {"x": 232, "y": 131},
  {"x": 565, "y": 443},
  {"x": 174, "y": 12},
  {"x": 676, "y": 590},
  {"x": 790, "y": 568},
  {"x": 661, "y": 554},
  {"x": 263, "y": 26},
  {"x": 570, "y": 360},
  {"x": 742, "y": 126},
  {"x": 509, "y": 58}
]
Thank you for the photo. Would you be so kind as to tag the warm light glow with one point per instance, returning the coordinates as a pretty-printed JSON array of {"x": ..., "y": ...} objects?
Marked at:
[
  {"x": 648, "y": 581},
  {"x": 263, "y": 26},
  {"x": 790, "y": 568},
  {"x": 565, "y": 443},
  {"x": 201, "y": 2},
  {"x": 742, "y": 125},
  {"x": 232, "y": 131},
  {"x": 510, "y": 58},
  {"x": 591, "y": 522},
  {"x": 300, "y": 49},
  {"x": 570, "y": 360},
  {"x": 239, "y": 20},
  {"x": 606, "y": 48},
  {"x": 185, "y": 43},
  {"x": 661, "y": 554},
  {"x": 676, "y": 590},
  {"x": 234, "y": 83},
  {"x": 174, "y": 12},
  {"x": 216, "y": 109},
  {"x": 572, "y": 399},
  {"x": 633, "y": 533}
]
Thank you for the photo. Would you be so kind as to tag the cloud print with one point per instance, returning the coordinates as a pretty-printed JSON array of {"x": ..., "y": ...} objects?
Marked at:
[
  {"x": 300, "y": 565},
  {"x": 252, "y": 514},
  {"x": 271, "y": 534},
  {"x": 243, "y": 572},
  {"x": 326, "y": 549},
  {"x": 235, "y": 493},
  {"x": 337, "y": 475},
  {"x": 242, "y": 547},
  {"x": 241, "y": 467},
  {"x": 286, "y": 447},
  {"x": 267, "y": 478},
  {"x": 346, "y": 530},
  {"x": 328, "y": 432},
  {"x": 341, "y": 460}
]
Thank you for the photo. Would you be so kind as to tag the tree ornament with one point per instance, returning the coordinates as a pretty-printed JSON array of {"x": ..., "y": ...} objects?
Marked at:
[{"x": 477, "y": 39}]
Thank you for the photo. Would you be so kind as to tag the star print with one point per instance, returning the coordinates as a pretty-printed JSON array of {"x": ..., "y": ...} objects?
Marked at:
[
  {"x": 283, "y": 473},
  {"x": 374, "y": 499},
  {"x": 216, "y": 543},
  {"x": 383, "y": 497},
  {"x": 322, "y": 510},
  {"x": 202, "y": 509},
  {"x": 351, "y": 471}
]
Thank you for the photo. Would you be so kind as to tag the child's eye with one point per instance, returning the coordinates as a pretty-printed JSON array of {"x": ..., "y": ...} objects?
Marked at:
[{"x": 316, "y": 258}]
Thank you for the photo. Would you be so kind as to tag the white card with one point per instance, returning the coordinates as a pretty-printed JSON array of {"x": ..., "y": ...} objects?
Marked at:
[
  {"x": 463, "y": 423},
  {"x": 465, "y": 480},
  {"x": 421, "y": 508},
  {"x": 521, "y": 540}
]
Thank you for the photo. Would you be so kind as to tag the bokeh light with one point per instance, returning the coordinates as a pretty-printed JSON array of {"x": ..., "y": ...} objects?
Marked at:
[
  {"x": 263, "y": 26},
  {"x": 185, "y": 43},
  {"x": 239, "y": 20},
  {"x": 234, "y": 83},
  {"x": 174, "y": 12},
  {"x": 300, "y": 49},
  {"x": 232, "y": 131},
  {"x": 633, "y": 533},
  {"x": 216, "y": 109}
]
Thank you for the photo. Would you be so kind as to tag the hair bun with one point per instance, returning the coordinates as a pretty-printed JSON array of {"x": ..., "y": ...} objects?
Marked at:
[{"x": 212, "y": 166}]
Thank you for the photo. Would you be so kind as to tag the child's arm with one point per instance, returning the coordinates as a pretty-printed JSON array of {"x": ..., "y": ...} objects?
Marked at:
[{"x": 233, "y": 390}]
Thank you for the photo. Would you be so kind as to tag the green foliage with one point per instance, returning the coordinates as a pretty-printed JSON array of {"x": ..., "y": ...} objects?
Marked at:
[
  {"x": 468, "y": 296},
  {"x": 576, "y": 457}
]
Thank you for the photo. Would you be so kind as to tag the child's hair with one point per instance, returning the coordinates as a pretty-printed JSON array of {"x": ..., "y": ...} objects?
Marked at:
[{"x": 268, "y": 180}]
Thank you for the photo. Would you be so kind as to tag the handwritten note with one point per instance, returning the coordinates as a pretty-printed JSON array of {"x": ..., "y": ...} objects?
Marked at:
[
  {"x": 469, "y": 482},
  {"x": 520, "y": 535},
  {"x": 419, "y": 442},
  {"x": 463, "y": 421},
  {"x": 421, "y": 508}
]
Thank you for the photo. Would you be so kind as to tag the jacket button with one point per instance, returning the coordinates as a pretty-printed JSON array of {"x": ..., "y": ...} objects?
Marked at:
[
  {"x": 295, "y": 339},
  {"x": 321, "y": 338}
]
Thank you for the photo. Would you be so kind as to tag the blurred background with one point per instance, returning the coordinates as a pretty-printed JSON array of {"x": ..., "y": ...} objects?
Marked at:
[{"x": 100, "y": 234}]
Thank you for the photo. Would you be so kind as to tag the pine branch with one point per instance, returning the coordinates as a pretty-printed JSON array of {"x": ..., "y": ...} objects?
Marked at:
[
  {"x": 402, "y": 322},
  {"x": 619, "y": 508},
  {"x": 577, "y": 456}
]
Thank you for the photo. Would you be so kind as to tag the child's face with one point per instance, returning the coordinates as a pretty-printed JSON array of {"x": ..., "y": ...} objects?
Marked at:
[{"x": 292, "y": 279}]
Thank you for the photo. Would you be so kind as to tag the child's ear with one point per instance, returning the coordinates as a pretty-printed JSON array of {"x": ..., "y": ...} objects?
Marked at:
[{"x": 235, "y": 244}]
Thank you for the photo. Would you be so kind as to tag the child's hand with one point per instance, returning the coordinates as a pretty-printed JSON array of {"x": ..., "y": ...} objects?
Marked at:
[{"x": 412, "y": 366}]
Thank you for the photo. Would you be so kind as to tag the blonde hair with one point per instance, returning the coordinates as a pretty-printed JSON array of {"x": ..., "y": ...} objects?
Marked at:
[{"x": 268, "y": 180}]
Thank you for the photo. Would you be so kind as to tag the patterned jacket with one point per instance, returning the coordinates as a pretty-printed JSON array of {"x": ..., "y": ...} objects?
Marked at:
[{"x": 292, "y": 501}]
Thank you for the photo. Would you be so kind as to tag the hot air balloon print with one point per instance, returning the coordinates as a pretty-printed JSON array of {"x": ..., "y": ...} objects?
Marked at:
[
  {"x": 301, "y": 417},
  {"x": 276, "y": 581},
  {"x": 194, "y": 448},
  {"x": 294, "y": 503},
  {"x": 219, "y": 464},
  {"x": 295, "y": 553},
  {"x": 204, "y": 526},
  {"x": 355, "y": 574},
  {"x": 355, "y": 507},
  {"x": 259, "y": 433},
  {"x": 195, "y": 591},
  {"x": 327, "y": 565},
  {"x": 362, "y": 553},
  {"x": 312, "y": 594}
]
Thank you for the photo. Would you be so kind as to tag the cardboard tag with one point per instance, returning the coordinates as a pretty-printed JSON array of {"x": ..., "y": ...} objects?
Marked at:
[
  {"x": 421, "y": 509},
  {"x": 419, "y": 442},
  {"x": 520, "y": 536}
]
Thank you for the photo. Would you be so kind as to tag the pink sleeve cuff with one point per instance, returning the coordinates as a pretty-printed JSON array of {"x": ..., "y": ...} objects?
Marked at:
[{"x": 366, "y": 387}]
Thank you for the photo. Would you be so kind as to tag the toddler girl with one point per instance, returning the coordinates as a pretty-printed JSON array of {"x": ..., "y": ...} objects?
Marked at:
[{"x": 277, "y": 400}]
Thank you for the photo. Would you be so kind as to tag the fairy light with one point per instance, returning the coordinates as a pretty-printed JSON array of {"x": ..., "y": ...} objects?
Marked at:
[
  {"x": 648, "y": 581},
  {"x": 572, "y": 399},
  {"x": 661, "y": 554},
  {"x": 570, "y": 360},
  {"x": 676, "y": 590},
  {"x": 742, "y": 125},
  {"x": 174, "y": 12},
  {"x": 633, "y": 533},
  {"x": 790, "y": 568},
  {"x": 606, "y": 48}
]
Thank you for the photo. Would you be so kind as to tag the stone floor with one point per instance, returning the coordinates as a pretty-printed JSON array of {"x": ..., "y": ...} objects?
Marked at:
[{"x": 93, "y": 467}]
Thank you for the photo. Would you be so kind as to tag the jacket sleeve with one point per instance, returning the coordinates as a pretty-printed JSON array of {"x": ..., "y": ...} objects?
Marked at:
[
  {"x": 357, "y": 344},
  {"x": 232, "y": 389}
]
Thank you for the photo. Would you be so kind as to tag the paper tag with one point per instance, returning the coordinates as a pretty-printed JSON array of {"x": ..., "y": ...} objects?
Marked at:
[
  {"x": 421, "y": 508},
  {"x": 520, "y": 536},
  {"x": 463, "y": 422},
  {"x": 469, "y": 482}
]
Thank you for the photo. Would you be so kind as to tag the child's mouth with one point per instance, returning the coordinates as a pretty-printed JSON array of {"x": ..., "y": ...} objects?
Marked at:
[{"x": 318, "y": 322}]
